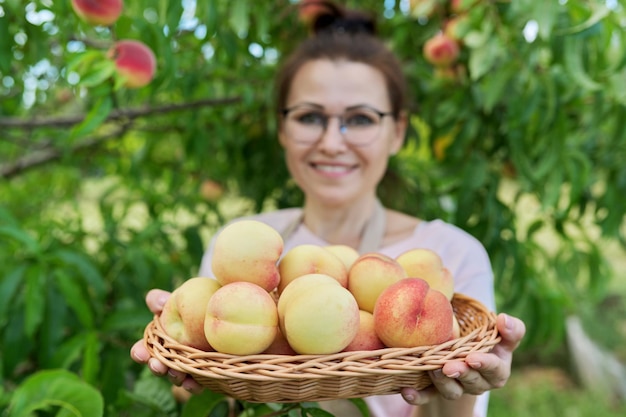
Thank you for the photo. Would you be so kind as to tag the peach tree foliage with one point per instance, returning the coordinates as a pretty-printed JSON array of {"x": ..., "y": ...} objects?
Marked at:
[{"x": 102, "y": 186}]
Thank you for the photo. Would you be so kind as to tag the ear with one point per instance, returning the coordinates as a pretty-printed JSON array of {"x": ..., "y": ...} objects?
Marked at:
[
  {"x": 399, "y": 133},
  {"x": 282, "y": 139}
]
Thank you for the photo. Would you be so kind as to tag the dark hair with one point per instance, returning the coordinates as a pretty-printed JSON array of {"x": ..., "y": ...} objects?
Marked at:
[{"x": 340, "y": 33}]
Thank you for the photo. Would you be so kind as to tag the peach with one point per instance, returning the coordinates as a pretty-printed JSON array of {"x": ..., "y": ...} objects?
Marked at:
[
  {"x": 247, "y": 250},
  {"x": 183, "y": 314},
  {"x": 410, "y": 314},
  {"x": 321, "y": 322},
  {"x": 241, "y": 319},
  {"x": 304, "y": 284},
  {"x": 98, "y": 12},
  {"x": 441, "y": 50},
  {"x": 280, "y": 345},
  {"x": 310, "y": 259},
  {"x": 366, "y": 338},
  {"x": 428, "y": 265},
  {"x": 370, "y": 274},
  {"x": 345, "y": 253},
  {"x": 134, "y": 62}
]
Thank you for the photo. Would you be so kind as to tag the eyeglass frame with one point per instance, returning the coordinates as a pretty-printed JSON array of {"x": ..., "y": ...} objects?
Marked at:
[{"x": 340, "y": 117}]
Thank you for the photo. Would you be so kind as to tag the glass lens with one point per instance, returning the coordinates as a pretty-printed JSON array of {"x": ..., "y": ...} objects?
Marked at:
[{"x": 307, "y": 125}]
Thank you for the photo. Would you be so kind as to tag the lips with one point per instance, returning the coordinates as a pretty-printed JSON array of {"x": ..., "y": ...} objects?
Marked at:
[{"x": 335, "y": 169}]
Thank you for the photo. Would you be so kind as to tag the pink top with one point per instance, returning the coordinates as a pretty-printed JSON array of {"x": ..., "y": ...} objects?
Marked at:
[{"x": 461, "y": 253}]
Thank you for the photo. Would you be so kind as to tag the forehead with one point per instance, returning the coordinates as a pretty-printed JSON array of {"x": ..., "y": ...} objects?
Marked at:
[{"x": 338, "y": 84}]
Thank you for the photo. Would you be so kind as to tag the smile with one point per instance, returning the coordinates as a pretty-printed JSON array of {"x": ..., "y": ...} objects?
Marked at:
[{"x": 333, "y": 169}]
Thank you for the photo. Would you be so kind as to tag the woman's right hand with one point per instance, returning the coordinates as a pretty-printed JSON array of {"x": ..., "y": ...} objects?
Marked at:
[{"x": 155, "y": 300}]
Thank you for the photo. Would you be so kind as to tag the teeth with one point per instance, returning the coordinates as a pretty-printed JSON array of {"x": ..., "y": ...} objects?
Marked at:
[{"x": 332, "y": 168}]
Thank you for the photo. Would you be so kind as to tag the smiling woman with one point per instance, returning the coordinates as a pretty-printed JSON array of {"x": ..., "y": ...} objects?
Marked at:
[{"x": 342, "y": 112}]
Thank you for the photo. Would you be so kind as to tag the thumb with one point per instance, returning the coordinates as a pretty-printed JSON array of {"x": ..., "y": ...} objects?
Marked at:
[{"x": 512, "y": 331}]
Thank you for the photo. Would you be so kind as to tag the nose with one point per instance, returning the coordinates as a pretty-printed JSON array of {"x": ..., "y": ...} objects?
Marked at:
[{"x": 333, "y": 135}]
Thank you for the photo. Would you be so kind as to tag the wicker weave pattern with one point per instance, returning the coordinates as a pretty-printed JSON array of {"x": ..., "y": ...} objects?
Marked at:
[{"x": 295, "y": 378}]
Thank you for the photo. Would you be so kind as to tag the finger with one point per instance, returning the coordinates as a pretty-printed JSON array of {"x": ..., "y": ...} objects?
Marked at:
[
  {"x": 421, "y": 397},
  {"x": 512, "y": 331},
  {"x": 449, "y": 388},
  {"x": 494, "y": 367},
  {"x": 156, "y": 367},
  {"x": 139, "y": 353},
  {"x": 192, "y": 386},
  {"x": 155, "y": 300}
]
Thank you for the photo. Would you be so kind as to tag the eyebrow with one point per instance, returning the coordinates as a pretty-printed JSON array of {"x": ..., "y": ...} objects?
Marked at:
[{"x": 320, "y": 107}]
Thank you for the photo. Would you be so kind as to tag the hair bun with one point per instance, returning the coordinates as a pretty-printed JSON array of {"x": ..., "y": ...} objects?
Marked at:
[{"x": 336, "y": 19}]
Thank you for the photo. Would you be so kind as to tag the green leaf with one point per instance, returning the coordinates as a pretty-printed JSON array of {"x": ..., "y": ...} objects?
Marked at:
[
  {"x": 239, "y": 17},
  {"x": 84, "y": 266},
  {"x": 96, "y": 116},
  {"x": 600, "y": 11},
  {"x": 34, "y": 299},
  {"x": 56, "y": 388},
  {"x": 99, "y": 73},
  {"x": 9, "y": 284},
  {"x": 21, "y": 236},
  {"x": 546, "y": 14},
  {"x": 574, "y": 64},
  {"x": 91, "y": 357},
  {"x": 202, "y": 405},
  {"x": 484, "y": 58},
  {"x": 75, "y": 297}
]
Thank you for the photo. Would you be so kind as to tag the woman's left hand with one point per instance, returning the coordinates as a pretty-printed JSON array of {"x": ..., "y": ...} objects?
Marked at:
[{"x": 479, "y": 372}]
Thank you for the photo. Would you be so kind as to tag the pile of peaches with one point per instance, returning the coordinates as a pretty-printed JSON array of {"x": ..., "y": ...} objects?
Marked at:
[{"x": 310, "y": 299}]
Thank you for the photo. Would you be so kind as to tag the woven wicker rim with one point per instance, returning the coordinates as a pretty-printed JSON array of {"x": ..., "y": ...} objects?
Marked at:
[{"x": 293, "y": 378}]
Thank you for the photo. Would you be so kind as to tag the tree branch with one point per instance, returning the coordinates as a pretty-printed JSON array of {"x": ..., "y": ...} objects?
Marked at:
[
  {"x": 66, "y": 121},
  {"x": 43, "y": 157}
]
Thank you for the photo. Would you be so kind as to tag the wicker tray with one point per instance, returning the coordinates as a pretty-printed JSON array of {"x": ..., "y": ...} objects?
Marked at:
[{"x": 296, "y": 378}]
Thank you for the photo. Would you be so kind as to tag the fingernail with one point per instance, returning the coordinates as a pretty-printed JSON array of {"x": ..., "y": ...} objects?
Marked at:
[
  {"x": 454, "y": 375},
  {"x": 508, "y": 323},
  {"x": 161, "y": 299},
  {"x": 410, "y": 398},
  {"x": 140, "y": 358},
  {"x": 475, "y": 365}
]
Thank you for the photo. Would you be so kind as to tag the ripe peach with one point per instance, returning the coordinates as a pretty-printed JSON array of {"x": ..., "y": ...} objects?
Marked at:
[
  {"x": 366, "y": 338},
  {"x": 409, "y": 314},
  {"x": 441, "y": 50},
  {"x": 134, "y": 61},
  {"x": 280, "y": 345},
  {"x": 370, "y": 274},
  {"x": 310, "y": 259},
  {"x": 427, "y": 264},
  {"x": 345, "y": 253},
  {"x": 323, "y": 321},
  {"x": 98, "y": 12},
  {"x": 182, "y": 317},
  {"x": 247, "y": 250},
  {"x": 241, "y": 319}
]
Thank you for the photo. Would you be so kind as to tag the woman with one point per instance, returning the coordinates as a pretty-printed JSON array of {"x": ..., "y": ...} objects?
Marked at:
[{"x": 342, "y": 113}]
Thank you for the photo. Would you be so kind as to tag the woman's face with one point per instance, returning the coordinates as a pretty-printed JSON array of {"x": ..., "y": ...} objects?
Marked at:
[{"x": 331, "y": 166}]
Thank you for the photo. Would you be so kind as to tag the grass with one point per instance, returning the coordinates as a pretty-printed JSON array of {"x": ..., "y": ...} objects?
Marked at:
[{"x": 546, "y": 392}]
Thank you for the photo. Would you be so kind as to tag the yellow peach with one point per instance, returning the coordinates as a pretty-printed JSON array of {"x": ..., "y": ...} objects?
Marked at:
[
  {"x": 241, "y": 319},
  {"x": 247, "y": 250},
  {"x": 323, "y": 321},
  {"x": 370, "y": 274},
  {"x": 310, "y": 259},
  {"x": 345, "y": 253},
  {"x": 427, "y": 264},
  {"x": 182, "y": 316}
]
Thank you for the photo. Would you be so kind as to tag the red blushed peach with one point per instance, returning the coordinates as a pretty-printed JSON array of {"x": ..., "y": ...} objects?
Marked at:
[
  {"x": 280, "y": 346},
  {"x": 441, "y": 50},
  {"x": 370, "y": 274},
  {"x": 134, "y": 62},
  {"x": 98, "y": 12},
  {"x": 366, "y": 338},
  {"x": 247, "y": 250},
  {"x": 409, "y": 314}
]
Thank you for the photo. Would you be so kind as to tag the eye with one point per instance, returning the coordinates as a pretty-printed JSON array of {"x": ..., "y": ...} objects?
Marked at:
[
  {"x": 361, "y": 119},
  {"x": 310, "y": 118}
]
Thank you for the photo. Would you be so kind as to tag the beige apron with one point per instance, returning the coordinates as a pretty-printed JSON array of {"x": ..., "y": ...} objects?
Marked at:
[{"x": 371, "y": 240}]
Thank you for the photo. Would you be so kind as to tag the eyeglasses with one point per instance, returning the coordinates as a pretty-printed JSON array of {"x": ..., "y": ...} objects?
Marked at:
[{"x": 359, "y": 126}]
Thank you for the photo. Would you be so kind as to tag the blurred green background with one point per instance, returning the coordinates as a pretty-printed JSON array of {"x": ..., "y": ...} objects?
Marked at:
[{"x": 106, "y": 192}]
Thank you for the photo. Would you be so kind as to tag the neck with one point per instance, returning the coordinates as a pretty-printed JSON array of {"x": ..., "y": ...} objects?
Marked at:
[{"x": 339, "y": 224}]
